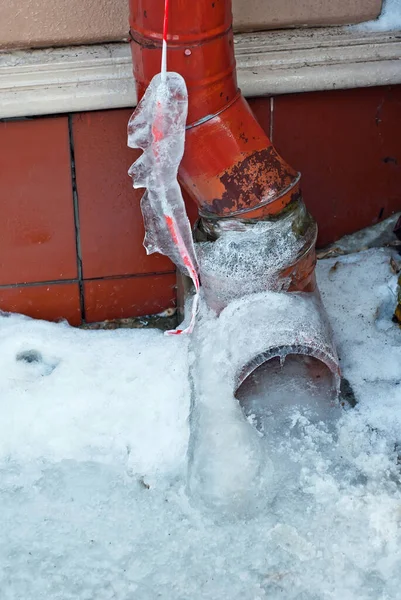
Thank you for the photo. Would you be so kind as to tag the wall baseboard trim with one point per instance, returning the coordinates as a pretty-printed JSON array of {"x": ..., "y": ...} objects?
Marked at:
[{"x": 62, "y": 80}]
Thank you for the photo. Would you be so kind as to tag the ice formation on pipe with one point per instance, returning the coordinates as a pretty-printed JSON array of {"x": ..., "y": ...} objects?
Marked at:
[
  {"x": 231, "y": 468},
  {"x": 247, "y": 258},
  {"x": 158, "y": 128},
  {"x": 271, "y": 324}
]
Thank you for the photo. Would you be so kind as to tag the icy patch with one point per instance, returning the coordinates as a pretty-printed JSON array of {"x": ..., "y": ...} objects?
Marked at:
[
  {"x": 93, "y": 472},
  {"x": 389, "y": 19},
  {"x": 229, "y": 470},
  {"x": 376, "y": 236}
]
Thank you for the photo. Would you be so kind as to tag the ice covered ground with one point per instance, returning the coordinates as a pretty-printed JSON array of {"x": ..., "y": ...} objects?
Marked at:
[{"x": 94, "y": 434}]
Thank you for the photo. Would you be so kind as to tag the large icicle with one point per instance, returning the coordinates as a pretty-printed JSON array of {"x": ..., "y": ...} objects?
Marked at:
[{"x": 158, "y": 128}]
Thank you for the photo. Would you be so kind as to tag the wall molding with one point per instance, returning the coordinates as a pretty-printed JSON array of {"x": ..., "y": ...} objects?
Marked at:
[{"x": 60, "y": 80}]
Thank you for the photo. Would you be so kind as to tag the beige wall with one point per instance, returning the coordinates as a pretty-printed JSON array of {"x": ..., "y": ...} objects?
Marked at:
[{"x": 34, "y": 23}]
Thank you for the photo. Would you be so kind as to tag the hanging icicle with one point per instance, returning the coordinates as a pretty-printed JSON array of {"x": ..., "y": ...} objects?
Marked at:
[{"x": 158, "y": 128}]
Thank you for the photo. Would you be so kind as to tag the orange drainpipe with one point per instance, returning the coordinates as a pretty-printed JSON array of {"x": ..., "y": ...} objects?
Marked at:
[{"x": 230, "y": 167}]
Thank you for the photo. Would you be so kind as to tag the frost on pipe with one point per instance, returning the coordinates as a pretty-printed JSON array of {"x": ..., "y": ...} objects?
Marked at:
[
  {"x": 158, "y": 128},
  {"x": 268, "y": 325},
  {"x": 239, "y": 258}
]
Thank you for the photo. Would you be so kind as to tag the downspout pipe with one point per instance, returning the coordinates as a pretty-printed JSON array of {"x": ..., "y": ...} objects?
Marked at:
[
  {"x": 230, "y": 168},
  {"x": 254, "y": 233}
]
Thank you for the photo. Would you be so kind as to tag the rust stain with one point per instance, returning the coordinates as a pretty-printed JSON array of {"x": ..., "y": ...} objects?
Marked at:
[{"x": 258, "y": 178}]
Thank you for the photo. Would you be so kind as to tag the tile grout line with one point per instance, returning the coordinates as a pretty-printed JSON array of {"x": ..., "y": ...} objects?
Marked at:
[
  {"x": 11, "y": 286},
  {"x": 24, "y": 284},
  {"x": 76, "y": 218},
  {"x": 271, "y": 118}
]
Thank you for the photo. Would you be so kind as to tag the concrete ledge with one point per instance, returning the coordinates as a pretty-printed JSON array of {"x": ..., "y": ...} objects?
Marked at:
[
  {"x": 44, "y": 23},
  {"x": 60, "y": 80}
]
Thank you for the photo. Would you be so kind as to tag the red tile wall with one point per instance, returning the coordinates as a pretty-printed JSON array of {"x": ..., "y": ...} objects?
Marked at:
[
  {"x": 71, "y": 240},
  {"x": 347, "y": 145},
  {"x": 109, "y": 208},
  {"x": 37, "y": 241},
  {"x": 53, "y": 301},
  {"x": 128, "y": 297},
  {"x": 71, "y": 230}
]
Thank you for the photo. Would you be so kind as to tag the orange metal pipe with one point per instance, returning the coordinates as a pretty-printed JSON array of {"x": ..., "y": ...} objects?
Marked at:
[{"x": 230, "y": 168}]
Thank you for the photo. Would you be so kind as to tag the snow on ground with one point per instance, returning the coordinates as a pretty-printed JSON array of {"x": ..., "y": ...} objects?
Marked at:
[
  {"x": 389, "y": 19},
  {"x": 93, "y": 495}
]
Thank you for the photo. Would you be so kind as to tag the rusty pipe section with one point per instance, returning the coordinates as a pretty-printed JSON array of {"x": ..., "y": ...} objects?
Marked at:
[{"x": 230, "y": 168}]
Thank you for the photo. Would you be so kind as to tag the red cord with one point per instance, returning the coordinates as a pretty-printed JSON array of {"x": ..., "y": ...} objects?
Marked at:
[{"x": 165, "y": 25}]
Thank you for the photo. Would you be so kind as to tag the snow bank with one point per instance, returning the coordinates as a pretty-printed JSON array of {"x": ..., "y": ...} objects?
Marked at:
[
  {"x": 92, "y": 395},
  {"x": 93, "y": 438}
]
